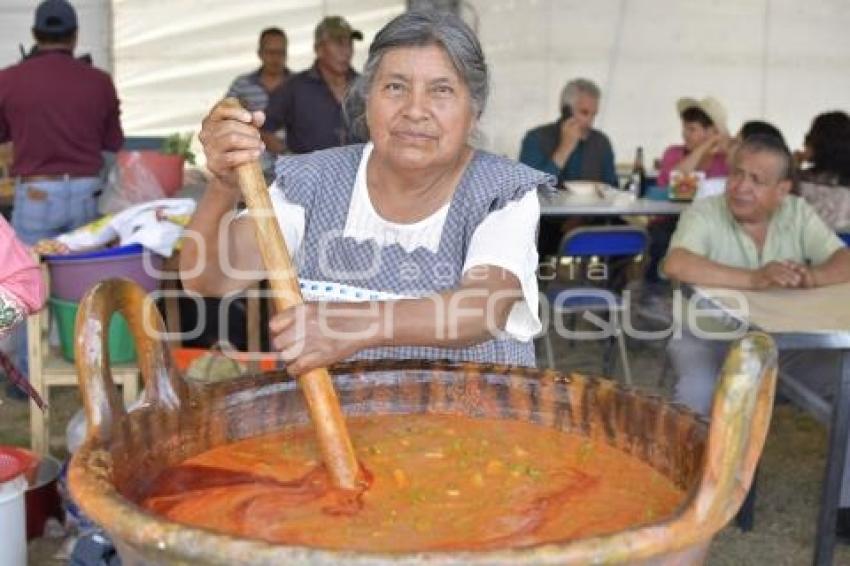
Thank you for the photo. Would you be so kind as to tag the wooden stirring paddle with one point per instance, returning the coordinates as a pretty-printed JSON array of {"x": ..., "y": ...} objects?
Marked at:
[{"x": 322, "y": 401}]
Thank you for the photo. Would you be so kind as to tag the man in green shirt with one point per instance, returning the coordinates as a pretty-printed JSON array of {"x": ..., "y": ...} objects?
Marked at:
[{"x": 755, "y": 236}]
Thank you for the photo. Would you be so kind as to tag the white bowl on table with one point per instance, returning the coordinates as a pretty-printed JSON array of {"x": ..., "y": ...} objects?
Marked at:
[{"x": 585, "y": 190}]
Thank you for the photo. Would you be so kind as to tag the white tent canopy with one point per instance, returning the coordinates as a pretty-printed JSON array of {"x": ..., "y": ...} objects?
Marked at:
[
  {"x": 175, "y": 59},
  {"x": 779, "y": 60}
]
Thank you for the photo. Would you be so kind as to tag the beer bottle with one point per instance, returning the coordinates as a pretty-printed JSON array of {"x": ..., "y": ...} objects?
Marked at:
[{"x": 637, "y": 179}]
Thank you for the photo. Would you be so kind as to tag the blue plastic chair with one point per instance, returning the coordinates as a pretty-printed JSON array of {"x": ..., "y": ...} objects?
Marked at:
[
  {"x": 845, "y": 237},
  {"x": 589, "y": 246}
]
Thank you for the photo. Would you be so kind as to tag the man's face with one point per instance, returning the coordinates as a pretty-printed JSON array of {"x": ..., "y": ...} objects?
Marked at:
[
  {"x": 335, "y": 52},
  {"x": 272, "y": 53},
  {"x": 585, "y": 108},
  {"x": 755, "y": 188}
]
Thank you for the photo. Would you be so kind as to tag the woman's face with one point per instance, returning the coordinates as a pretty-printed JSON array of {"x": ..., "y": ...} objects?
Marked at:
[
  {"x": 695, "y": 133},
  {"x": 419, "y": 110}
]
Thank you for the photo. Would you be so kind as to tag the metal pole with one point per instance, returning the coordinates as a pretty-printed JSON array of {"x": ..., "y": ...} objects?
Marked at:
[{"x": 838, "y": 434}]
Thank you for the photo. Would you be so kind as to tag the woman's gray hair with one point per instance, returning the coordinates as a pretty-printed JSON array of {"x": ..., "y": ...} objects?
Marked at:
[
  {"x": 420, "y": 29},
  {"x": 574, "y": 87}
]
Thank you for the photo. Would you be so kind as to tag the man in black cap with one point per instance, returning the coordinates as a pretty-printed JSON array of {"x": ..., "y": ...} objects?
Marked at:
[
  {"x": 309, "y": 106},
  {"x": 59, "y": 113}
]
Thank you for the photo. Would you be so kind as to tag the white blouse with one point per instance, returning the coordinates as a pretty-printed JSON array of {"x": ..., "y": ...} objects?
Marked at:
[{"x": 505, "y": 239}]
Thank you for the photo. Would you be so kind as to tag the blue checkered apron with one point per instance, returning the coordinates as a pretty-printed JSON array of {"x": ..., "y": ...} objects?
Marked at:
[{"x": 323, "y": 182}]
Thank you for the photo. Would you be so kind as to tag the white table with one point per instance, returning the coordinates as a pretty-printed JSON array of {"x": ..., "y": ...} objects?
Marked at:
[
  {"x": 613, "y": 203},
  {"x": 812, "y": 319}
]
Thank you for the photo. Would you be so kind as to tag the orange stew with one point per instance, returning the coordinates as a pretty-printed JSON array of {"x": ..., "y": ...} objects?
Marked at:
[{"x": 431, "y": 482}]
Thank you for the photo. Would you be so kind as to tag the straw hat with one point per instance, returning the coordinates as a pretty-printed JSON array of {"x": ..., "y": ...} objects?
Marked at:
[{"x": 710, "y": 105}]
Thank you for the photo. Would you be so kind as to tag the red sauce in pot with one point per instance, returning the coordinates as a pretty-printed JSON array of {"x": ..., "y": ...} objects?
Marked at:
[{"x": 431, "y": 482}]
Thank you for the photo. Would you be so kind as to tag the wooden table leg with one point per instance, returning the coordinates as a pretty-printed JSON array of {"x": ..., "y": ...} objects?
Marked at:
[{"x": 39, "y": 419}]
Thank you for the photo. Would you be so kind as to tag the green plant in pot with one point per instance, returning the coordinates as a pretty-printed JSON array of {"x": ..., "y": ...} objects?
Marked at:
[
  {"x": 178, "y": 144},
  {"x": 156, "y": 173}
]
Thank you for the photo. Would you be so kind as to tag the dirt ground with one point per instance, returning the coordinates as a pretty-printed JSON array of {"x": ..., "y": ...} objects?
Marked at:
[{"x": 788, "y": 491}]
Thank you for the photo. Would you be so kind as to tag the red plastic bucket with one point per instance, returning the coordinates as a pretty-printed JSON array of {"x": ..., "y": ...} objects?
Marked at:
[{"x": 16, "y": 462}]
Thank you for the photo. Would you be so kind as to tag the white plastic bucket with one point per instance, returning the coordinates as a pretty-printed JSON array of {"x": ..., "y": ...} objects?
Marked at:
[{"x": 13, "y": 528}]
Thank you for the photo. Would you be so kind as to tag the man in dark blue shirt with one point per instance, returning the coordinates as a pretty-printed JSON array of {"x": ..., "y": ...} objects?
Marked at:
[
  {"x": 570, "y": 149},
  {"x": 309, "y": 106}
]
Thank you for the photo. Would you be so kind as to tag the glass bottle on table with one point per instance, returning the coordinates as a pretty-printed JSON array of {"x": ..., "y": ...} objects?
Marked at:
[{"x": 637, "y": 178}]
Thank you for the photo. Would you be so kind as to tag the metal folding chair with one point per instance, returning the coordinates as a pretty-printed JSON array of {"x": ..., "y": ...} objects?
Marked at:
[{"x": 598, "y": 262}]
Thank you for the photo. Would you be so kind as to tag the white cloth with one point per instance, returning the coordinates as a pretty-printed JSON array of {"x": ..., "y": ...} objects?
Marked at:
[
  {"x": 505, "y": 239},
  {"x": 146, "y": 224},
  {"x": 364, "y": 222},
  {"x": 711, "y": 187}
]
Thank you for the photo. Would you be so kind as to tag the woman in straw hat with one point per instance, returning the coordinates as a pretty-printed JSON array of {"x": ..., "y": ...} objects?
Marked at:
[
  {"x": 706, "y": 138},
  {"x": 705, "y": 135}
]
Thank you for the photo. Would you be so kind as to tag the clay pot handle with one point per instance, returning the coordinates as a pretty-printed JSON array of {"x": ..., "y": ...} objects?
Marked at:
[
  {"x": 337, "y": 451},
  {"x": 163, "y": 385},
  {"x": 740, "y": 418}
]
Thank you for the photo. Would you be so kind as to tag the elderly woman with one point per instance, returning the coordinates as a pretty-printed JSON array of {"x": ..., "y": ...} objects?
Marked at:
[{"x": 437, "y": 235}]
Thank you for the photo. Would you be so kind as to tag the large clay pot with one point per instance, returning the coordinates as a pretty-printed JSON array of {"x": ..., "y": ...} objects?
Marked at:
[{"x": 124, "y": 451}]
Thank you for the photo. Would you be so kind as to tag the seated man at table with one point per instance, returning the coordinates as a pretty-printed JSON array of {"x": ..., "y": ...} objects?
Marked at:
[
  {"x": 756, "y": 236},
  {"x": 570, "y": 149}
]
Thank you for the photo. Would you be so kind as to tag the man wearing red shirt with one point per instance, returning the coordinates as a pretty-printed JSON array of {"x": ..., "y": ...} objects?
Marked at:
[{"x": 60, "y": 113}]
